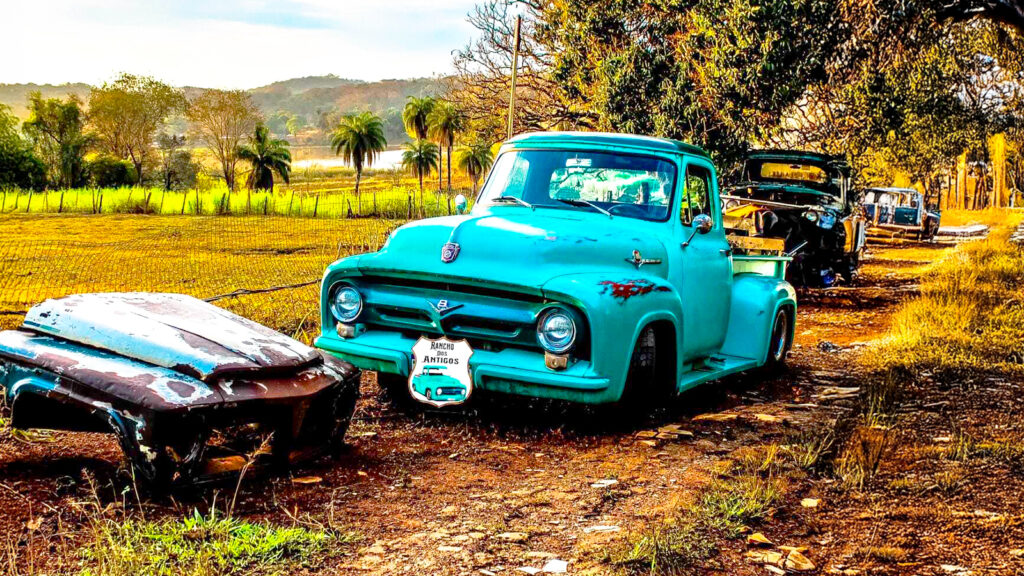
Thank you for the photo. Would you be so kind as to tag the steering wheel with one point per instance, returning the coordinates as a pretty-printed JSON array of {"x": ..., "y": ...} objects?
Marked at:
[{"x": 637, "y": 211}]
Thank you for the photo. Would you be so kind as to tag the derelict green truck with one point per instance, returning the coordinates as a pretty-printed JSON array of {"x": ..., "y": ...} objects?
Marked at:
[{"x": 592, "y": 268}]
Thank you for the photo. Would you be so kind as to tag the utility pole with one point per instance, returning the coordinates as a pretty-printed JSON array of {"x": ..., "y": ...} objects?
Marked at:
[{"x": 515, "y": 67}]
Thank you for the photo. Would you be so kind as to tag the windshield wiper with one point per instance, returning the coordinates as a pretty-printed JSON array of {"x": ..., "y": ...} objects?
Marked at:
[
  {"x": 519, "y": 201},
  {"x": 578, "y": 202}
]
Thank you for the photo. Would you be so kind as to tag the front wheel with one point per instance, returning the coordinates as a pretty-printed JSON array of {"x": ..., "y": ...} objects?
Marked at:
[{"x": 780, "y": 340}]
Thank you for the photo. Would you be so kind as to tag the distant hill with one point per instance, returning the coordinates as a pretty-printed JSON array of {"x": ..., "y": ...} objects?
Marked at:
[
  {"x": 16, "y": 95},
  {"x": 306, "y": 97}
]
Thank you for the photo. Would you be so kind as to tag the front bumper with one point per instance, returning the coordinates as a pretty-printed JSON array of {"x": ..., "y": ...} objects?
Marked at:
[{"x": 510, "y": 371}]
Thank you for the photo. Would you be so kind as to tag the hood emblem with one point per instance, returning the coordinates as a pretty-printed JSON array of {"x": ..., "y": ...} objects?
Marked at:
[
  {"x": 638, "y": 260},
  {"x": 450, "y": 252},
  {"x": 443, "y": 306}
]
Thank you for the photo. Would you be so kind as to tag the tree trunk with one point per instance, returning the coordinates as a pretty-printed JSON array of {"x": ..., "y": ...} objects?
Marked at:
[
  {"x": 359, "y": 199},
  {"x": 961, "y": 181},
  {"x": 421, "y": 192},
  {"x": 440, "y": 160},
  {"x": 997, "y": 150},
  {"x": 449, "y": 170}
]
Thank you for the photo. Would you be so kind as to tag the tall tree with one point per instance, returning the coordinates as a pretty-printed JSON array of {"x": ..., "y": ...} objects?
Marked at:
[
  {"x": 359, "y": 140},
  {"x": 444, "y": 123},
  {"x": 414, "y": 115},
  {"x": 56, "y": 129},
  {"x": 220, "y": 119},
  {"x": 266, "y": 155},
  {"x": 19, "y": 166},
  {"x": 420, "y": 156},
  {"x": 475, "y": 160},
  {"x": 126, "y": 113}
]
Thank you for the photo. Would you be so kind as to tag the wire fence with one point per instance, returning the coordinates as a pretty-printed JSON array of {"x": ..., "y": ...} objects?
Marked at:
[{"x": 266, "y": 268}]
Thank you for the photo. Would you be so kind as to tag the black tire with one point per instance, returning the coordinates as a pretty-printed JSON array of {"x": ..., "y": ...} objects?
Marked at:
[
  {"x": 641, "y": 380},
  {"x": 780, "y": 340},
  {"x": 429, "y": 395}
]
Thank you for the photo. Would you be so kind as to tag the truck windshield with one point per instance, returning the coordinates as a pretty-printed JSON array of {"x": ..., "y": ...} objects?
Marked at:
[{"x": 617, "y": 184}]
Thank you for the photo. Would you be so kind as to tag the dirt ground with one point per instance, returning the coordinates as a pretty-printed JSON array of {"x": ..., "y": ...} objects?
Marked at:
[{"x": 507, "y": 484}]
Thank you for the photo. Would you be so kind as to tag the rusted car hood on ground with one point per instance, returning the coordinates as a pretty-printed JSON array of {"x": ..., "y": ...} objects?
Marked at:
[{"x": 172, "y": 331}]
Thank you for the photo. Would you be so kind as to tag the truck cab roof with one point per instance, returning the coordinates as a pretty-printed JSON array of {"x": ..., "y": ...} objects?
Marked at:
[{"x": 605, "y": 140}]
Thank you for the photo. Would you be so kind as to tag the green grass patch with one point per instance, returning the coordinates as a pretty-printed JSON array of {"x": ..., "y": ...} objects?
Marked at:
[{"x": 201, "y": 545}]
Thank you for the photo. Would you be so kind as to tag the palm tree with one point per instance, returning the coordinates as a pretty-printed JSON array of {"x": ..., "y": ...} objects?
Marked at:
[
  {"x": 475, "y": 160},
  {"x": 443, "y": 123},
  {"x": 420, "y": 157},
  {"x": 414, "y": 116},
  {"x": 359, "y": 139},
  {"x": 266, "y": 155}
]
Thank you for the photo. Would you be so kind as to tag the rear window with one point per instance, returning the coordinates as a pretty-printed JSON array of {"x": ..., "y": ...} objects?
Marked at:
[{"x": 795, "y": 172}]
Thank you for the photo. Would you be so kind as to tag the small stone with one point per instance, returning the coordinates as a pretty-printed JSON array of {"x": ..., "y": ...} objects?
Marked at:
[
  {"x": 798, "y": 562},
  {"x": 646, "y": 434},
  {"x": 954, "y": 569},
  {"x": 650, "y": 443},
  {"x": 774, "y": 569},
  {"x": 767, "y": 418},
  {"x": 764, "y": 556},
  {"x": 460, "y": 538},
  {"x": 487, "y": 572},
  {"x": 604, "y": 483},
  {"x": 449, "y": 548},
  {"x": 476, "y": 535},
  {"x": 513, "y": 536},
  {"x": 791, "y": 548},
  {"x": 592, "y": 529},
  {"x": 758, "y": 539},
  {"x": 307, "y": 480},
  {"x": 555, "y": 567},
  {"x": 809, "y": 502},
  {"x": 529, "y": 570}
]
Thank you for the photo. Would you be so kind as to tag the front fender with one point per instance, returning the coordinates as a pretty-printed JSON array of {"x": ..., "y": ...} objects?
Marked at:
[
  {"x": 617, "y": 308},
  {"x": 756, "y": 299}
]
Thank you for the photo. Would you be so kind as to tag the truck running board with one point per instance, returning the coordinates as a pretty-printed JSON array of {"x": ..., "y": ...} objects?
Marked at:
[{"x": 712, "y": 369}]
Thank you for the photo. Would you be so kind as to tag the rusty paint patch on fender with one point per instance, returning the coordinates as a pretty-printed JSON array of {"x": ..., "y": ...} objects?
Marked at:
[{"x": 629, "y": 288}]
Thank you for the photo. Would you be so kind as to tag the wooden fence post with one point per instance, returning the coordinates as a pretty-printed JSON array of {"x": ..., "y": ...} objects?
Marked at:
[{"x": 316, "y": 205}]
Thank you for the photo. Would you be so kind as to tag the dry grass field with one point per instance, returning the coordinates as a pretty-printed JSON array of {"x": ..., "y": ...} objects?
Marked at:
[{"x": 49, "y": 255}]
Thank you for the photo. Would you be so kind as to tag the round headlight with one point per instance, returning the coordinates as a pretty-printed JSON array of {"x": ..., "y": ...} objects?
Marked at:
[
  {"x": 346, "y": 304},
  {"x": 811, "y": 216},
  {"x": 827, "y": 221},
  {"x": 556, "y": 331}
]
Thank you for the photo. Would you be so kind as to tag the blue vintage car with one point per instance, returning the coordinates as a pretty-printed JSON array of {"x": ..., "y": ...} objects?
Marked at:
[
  {"x": 592, "y": 268},
  {"x": 433, "y": 384},
  {"x": 901, "y": 211}
]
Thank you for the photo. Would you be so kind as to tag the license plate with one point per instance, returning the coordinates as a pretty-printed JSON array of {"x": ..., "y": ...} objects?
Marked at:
[{"x": 440, "y": 373}]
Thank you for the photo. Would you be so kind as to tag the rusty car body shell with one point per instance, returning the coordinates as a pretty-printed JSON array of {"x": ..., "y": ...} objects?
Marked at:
[
  {"x": 161, "y": 371},
  {"x": 821, "y": 222}
]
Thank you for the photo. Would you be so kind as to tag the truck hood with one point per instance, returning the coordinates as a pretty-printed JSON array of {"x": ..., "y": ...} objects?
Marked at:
[{"x": 517, "y": 246}]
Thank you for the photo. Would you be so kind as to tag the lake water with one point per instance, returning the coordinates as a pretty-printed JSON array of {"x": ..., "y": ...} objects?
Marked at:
[{"x": 319, "y": 157}]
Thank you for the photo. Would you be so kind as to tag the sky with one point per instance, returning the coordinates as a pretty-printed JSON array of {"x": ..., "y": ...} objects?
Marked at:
[{"x": 228, "y": 43}]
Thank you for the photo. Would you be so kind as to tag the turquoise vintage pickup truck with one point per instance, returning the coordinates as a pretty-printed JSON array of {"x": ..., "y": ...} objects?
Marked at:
[{"x": 593, "y": 268}]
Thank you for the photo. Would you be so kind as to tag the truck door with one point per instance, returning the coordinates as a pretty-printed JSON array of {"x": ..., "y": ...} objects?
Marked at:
[{"x": 706, "y": 272}]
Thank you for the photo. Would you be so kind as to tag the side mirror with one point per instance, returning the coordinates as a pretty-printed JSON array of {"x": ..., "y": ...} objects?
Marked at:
[
  {"x": 460, "y": 204},
  {"x": 702, "y": 223}
]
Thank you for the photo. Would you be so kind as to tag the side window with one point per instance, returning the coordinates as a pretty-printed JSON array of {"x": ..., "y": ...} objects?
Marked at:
[{"x": 696, "y": 194}]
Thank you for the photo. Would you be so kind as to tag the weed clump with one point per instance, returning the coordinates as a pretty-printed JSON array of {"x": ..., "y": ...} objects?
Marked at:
[{"x": 200, "y": 545}]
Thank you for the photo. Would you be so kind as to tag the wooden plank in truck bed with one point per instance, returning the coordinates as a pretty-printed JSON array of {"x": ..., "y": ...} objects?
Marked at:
[{"x": 748, "y": 244}]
